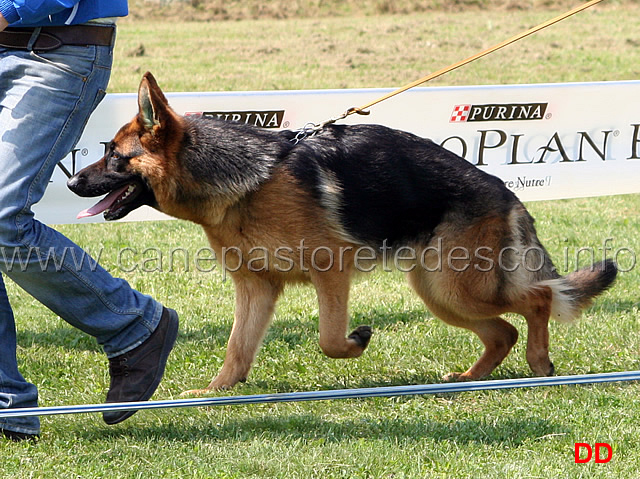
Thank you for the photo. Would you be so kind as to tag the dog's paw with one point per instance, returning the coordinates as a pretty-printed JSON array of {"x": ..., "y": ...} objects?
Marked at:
[
  {"x": 361, "y": 335},
  {"x": 540, "y": 363},
  {"x": 449, "y": 377},
  {"x": 215, "y": 385},
  {"x": 195, "y": 392},
  {"x": 547, "y": 370},
  {"x": 456, "y": 377}
]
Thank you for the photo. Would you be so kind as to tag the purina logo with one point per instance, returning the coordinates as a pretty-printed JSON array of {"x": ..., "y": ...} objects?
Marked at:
[
  {"x": 498, "y": 112},
  {"x": 263, "y": 119}
]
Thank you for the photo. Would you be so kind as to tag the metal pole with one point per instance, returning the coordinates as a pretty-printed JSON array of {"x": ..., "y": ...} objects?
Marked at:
[{"x": 389, "y": 391}]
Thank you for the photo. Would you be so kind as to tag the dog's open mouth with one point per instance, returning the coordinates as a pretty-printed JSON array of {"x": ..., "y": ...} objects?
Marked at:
[{"x": 118, "y": 203}]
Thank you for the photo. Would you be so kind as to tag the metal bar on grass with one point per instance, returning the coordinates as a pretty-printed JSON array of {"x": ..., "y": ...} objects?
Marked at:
[{"x": 385, "y": 391}]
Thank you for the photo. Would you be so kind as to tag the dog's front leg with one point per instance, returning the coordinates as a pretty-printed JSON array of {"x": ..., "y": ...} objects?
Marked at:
[
  {"x": 255, "y": 302},
  {"x": 333, "y": 295}
]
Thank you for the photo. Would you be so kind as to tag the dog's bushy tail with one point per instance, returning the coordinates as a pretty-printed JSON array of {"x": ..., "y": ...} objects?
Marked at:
[{"x": 576, "y": 291}]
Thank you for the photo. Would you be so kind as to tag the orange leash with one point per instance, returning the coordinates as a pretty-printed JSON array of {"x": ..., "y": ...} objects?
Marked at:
[{"x": 362, "y": 110}]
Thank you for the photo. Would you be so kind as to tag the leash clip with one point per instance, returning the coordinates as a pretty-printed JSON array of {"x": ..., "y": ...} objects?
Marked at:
[
  {"x": 311, "y": 129},
  {"x": 306, "y": 131}
]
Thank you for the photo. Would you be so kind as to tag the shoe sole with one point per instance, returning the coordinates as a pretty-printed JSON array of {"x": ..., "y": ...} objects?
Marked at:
[{"x": 170, "y": 340}]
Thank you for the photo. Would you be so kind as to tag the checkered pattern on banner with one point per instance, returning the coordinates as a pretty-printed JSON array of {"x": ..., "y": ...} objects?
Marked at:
[{"x": 460, "y": 113}]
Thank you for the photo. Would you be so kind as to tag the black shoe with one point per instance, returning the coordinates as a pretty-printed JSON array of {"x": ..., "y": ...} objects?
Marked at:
[
  {"x": 19, "y": 436},
  {"x": 135, "y": 375}
]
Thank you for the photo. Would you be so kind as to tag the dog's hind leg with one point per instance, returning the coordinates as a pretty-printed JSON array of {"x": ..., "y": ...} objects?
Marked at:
[
  {"x": 537, "y": 313},
  {"x": 333, "y": 296},
  {"x": 497, "y": 335},
  {"x": 255, "y": 302}
]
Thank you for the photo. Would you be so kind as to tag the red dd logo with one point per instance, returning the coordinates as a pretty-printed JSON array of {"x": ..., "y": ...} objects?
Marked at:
[{"x": 583, "y": 446}]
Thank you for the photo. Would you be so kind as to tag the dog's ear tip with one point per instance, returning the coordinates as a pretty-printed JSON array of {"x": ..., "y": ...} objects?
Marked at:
[
  {"x": 152, "y": 103},
  {"x": 148, "y": 79}
]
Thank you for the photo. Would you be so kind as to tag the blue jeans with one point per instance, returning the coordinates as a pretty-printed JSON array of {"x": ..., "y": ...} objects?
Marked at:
[{"x": 45, "y": 102}]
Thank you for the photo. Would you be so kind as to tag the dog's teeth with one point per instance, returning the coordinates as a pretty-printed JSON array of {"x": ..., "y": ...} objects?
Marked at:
[{"x": 128, "y": 192}]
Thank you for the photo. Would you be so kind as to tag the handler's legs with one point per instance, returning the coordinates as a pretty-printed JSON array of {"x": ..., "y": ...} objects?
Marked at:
[
  {"x": 45, "y": 102},
  {"x": 14, "y": 390}
]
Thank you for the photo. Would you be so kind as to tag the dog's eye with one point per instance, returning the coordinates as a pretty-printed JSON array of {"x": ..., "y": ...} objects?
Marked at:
[{"x": 116, "y": 161}]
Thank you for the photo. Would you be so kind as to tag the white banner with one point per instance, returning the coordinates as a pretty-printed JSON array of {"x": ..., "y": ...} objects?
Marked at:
[{"x": 545, "y": 141}]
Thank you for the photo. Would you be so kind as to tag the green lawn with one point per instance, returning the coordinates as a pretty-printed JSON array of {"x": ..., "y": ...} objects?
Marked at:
[
  {"x": 527, "y": 433},
  {"x": 379, "y": 51}
]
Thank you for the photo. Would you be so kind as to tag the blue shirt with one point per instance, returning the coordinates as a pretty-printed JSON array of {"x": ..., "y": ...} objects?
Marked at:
[{"x": 38, "y": 13}]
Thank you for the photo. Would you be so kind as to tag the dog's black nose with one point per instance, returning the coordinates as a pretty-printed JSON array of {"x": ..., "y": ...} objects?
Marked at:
[{"x": 74, "y": 183}]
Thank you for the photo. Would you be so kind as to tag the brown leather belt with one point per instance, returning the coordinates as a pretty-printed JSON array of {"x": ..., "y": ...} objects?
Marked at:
[{"x": 51, "y": 38}]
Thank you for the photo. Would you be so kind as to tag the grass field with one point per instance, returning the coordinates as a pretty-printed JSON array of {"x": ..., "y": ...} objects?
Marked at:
[
  {"x": 377, "y": 51},
  {"x": 528, "y": 433}
]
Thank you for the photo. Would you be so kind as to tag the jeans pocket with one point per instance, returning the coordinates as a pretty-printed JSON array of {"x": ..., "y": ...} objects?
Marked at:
[{"x": 74, "y": 60}]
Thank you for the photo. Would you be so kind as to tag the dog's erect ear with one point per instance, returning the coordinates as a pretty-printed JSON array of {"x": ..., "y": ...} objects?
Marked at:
[{"x": 152, "y": 104}]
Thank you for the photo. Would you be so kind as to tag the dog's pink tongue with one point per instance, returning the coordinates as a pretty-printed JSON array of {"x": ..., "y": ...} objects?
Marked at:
[{"x": 103, "y": 204}]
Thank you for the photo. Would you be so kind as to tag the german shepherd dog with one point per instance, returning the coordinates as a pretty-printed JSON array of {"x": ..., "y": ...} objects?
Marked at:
[{"x": 313, "y": 211}]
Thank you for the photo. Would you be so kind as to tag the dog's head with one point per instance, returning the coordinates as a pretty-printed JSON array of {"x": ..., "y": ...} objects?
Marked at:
[{"x": 134, "y": 170}]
